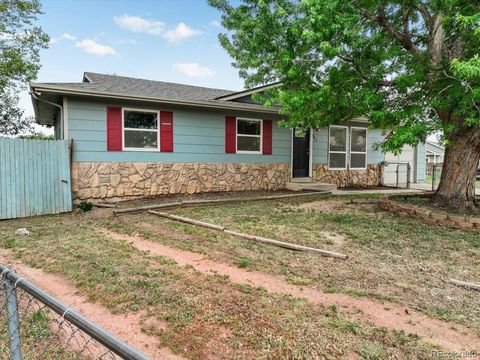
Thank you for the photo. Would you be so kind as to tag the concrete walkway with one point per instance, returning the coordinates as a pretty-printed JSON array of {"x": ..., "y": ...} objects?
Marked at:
[
  {"x": 377, "y": 191},
  {"x": 421, "y": 186},
  {"x": 428, "y": 187}
]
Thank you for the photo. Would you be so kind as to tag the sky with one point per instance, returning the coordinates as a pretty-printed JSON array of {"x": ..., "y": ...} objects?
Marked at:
[{"x": 167, "y": 40}]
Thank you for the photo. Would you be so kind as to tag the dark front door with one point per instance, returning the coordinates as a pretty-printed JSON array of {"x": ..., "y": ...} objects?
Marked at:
[{"x": 301, "y": 153}]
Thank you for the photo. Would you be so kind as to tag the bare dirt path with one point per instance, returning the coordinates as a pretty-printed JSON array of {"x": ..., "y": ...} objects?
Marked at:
[
  {"x": 126, "y": 327},
  {"x": 397, "y": 317}
]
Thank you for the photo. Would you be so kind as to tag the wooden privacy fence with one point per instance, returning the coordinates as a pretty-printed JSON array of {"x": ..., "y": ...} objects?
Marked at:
[{"x": 34, "y": 177}]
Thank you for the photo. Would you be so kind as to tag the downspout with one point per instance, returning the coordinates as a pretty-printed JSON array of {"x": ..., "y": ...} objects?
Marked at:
[
  {"x": 60, "y": 107},
  {"x": 35, "y": 96}
]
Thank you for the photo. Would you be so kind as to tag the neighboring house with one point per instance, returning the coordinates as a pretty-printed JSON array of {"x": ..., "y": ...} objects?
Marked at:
[
  {"x": 434, "y": 152},
  {"x": 136, "y": 137}
]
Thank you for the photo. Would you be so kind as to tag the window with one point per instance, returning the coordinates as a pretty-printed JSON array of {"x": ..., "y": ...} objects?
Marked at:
[
  {"x": 249, "y": 136},
  {"x": 341, "y": 143},
  {"x": 140, "y": 130},
  {"x": 337, "y": 158},
  {"x": 358, "y": 148}
]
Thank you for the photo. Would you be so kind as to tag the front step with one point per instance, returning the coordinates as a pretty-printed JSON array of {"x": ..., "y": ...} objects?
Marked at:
[
  {"x": 302, "y": 180},
  {"x": 309, "y": 186}
]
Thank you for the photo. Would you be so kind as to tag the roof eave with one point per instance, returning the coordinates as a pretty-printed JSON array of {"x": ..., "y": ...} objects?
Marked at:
[
  {"x": 102, "y": 94},
  {"x": 248, "y": 92}
]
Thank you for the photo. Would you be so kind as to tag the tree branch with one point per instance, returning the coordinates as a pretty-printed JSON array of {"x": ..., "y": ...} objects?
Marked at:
[
  {"x": 404, "y": 38},
  {"x": 381, "y": 82},
  {"x": 427, "y": 18}
]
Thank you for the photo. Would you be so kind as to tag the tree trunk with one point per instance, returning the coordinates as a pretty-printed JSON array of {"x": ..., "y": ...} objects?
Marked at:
[{"x": 457, "y": 183}]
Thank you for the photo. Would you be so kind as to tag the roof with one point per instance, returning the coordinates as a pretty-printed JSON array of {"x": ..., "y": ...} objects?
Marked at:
[
  {"x": 160, "y": 89},
  {"x": 128, "y": 88},
  {"x": 247, "y": 92},
  {"x": 434, "y": 148}
]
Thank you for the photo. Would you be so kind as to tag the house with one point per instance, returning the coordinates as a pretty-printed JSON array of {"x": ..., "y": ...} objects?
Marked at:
[
  {"x": 134, "y": 137},
  {"x": 434, "y": 152}
]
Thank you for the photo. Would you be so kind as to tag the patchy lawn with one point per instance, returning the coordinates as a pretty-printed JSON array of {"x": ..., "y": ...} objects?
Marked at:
[
  {"x": 391, "y": 257},
  {"x": 426, "y": 202},
  {"x": 208, "y": 316},
  {"x": 205, "y": 316}
]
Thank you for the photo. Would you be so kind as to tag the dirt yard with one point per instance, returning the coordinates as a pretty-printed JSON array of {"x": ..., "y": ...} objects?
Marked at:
[{"x": 194, "y": 293}]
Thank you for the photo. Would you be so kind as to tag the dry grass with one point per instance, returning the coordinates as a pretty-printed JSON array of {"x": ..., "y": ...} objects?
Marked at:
[
  {"x": 207, "y": 316},
  {"x": 392, "y": 258}
]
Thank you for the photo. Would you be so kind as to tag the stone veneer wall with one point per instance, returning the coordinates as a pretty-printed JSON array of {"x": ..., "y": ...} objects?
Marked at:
[
  {"x": 352, "y": 178},
  {"x": 95, "y": 180}
]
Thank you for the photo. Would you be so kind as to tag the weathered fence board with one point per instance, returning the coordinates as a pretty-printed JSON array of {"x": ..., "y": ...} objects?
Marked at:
[{"x": 34, "y": 177}]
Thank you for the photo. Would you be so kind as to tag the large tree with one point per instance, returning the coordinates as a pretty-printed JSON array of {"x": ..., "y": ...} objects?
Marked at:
[
  {"x": 411, "y": 66},
  {"x": 20, "y": 45}
]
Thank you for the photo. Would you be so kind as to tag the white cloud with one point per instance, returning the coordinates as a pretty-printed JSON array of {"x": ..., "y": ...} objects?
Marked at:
[
  {"x": 68, "y": 36},
  {"x": 92, "y": 47},
  {"x": 137, "y": 24},
  {"x": 193, "y": 70},
  {"x": 181, "y": 32},
  {"x": 215, "y": 23}
]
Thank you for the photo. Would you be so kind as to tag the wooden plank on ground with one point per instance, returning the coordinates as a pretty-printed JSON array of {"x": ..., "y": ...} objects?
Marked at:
[
  {"x": 216, "y": 201},
  {"x": 267, "y": 241},
  {"x": 465, "y": 284}
]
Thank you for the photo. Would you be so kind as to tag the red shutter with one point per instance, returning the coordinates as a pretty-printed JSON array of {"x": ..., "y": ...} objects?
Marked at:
[
  {"x": 230, "y": 134},
  {"x": 267, "y": 137},
  {"x": 166, "y": 131},
  {"x": 114, "y": 128}
]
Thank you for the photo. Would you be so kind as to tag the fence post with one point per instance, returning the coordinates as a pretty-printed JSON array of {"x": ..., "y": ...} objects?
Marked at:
[
  {"x": 408, "y": 175},
  {"x": 396, "y": 184},
  {"x": 434, "y": 169},
  {"x": 12, "y": 318}
]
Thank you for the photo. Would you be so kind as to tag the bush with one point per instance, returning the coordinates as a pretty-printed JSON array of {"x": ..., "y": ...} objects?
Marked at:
[{"x": 86, "y": 206}]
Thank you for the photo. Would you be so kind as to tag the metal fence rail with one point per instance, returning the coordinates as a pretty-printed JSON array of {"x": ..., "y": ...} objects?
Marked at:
[
  {"x": 396, "y": 174},
  {"x": 34, "y": 325}
]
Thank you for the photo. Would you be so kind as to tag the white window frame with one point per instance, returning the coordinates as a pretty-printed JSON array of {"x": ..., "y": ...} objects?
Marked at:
[
  {"x": 358, "y": 152},
  {"x": 245, "y": 135},
  {"x": 124, "y": 148},
  {"x": 339, "y": 152}
]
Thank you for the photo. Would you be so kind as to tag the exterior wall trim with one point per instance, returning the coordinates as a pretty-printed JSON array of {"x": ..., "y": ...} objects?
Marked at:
[
  {"x": 124, "y": 148},
  {"x": 65, "y": 118},
  {"x": 310, "y": 156},
  {"x": 347, "y": 145},
  {"x": 200, "y": 104},
  {"x": 349, "y": 165},
  {"x": 260, "y": 152},
  {"x": 310, "y": 152}
]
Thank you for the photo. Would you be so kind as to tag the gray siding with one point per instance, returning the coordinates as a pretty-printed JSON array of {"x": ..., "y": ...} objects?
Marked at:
[
  {"x": 198, "y": 137},
  {"x": 421, "y": 163}
]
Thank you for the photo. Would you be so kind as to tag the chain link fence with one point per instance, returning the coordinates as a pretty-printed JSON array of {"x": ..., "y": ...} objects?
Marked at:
[{"x": 35, "y": 325}]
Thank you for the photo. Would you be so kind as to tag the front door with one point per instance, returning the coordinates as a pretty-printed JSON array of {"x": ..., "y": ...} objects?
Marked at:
[{"x": 301, "y": 153}]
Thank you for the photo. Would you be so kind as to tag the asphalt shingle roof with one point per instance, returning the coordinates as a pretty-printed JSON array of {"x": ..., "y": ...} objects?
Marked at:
[
  {"x": 115, "y": 85},
  {"x": 160, "y": 89}
]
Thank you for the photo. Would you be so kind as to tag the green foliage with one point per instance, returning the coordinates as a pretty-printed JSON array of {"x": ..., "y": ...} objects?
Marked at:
[
  {"x": 85, "y": 206},
  {"x": 37, "y": 136},
  {"x": 20, "y": 45},
  {"x": 410, "y": 66}
]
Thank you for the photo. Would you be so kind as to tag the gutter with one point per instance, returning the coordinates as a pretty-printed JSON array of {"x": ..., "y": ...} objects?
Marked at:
[
  {"x": 148, "y": 99},
  {"x": 35, "y": 96}
]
